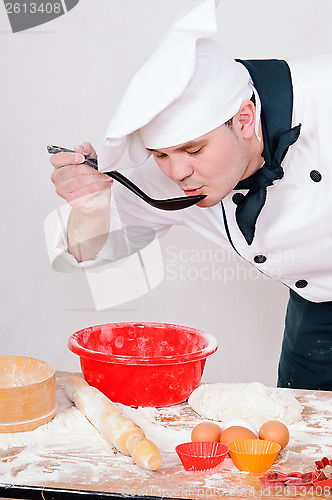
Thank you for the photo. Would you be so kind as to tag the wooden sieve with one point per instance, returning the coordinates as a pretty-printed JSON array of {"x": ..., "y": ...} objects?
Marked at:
[{"x": 27, "y": 393}]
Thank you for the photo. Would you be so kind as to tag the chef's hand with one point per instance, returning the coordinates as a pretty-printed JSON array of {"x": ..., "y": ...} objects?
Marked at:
[
  {"x": 83, "y": 187},
  {"x": 88, "y": 192}
]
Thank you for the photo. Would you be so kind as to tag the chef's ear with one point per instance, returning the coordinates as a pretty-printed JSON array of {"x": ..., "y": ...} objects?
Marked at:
[{"x": 246, "y": 119}]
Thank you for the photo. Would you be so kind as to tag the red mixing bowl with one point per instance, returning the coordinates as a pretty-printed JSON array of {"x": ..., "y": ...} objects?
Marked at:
[{"x": 143, "y": 364}]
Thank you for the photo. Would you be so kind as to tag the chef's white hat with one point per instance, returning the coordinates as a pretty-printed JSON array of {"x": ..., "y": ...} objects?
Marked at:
[{"x": 188, "y": 87}]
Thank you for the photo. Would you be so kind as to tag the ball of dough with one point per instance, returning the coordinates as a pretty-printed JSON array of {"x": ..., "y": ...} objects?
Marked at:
[{"x": 252, "y": 401}]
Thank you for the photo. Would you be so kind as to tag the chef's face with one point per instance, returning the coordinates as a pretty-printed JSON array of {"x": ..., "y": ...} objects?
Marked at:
[{"x": 214, "y": 163}]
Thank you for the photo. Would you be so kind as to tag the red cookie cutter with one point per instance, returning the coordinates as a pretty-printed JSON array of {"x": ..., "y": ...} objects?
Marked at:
[{"x": 297, "y": 482}]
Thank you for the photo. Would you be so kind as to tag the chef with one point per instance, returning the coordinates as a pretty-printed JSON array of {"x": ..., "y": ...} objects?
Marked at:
[{"x": 253, "y": 137}]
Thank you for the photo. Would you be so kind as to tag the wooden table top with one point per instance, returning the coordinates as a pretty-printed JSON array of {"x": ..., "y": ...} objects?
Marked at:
[{"x": 68, "y": 458}]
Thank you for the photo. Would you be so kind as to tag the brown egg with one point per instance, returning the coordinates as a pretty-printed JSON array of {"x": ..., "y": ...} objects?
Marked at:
[
  {"x": 206, "y": 431},
  {"x": 275, "y": 431},
  {"x": 236, "y": 432}
]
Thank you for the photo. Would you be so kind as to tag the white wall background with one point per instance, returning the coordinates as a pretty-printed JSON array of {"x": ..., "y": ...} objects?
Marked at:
[{"x": 59, "y": 84}]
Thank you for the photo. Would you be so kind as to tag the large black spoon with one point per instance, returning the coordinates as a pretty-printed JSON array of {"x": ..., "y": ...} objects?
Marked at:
[{"x": 169, "y": 204}]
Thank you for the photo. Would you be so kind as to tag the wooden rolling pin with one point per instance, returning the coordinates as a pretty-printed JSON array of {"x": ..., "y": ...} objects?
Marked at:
[{"x": 112, "y": 424}]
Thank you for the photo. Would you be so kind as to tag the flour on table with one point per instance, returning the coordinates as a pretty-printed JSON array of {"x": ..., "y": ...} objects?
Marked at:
[
  {"x": 165, "y": 438},
  {"x": 252, "y": 401},
  {"x": 69, "y": 448}
]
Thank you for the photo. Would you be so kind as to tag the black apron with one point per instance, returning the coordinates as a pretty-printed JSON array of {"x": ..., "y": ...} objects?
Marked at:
[{"x": 306, "y": 356}]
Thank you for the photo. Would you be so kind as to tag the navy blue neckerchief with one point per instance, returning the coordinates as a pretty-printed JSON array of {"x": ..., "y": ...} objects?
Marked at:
[{"x": 272, "y": 80}]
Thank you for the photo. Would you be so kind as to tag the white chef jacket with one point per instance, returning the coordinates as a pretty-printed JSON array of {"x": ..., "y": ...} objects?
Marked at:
[{"x": 293, "y": 238}]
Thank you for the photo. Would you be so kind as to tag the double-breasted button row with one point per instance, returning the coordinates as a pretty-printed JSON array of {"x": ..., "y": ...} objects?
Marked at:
[
  {"x": 314, "y": 175},
  {"x": 260, "y": 259}
]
